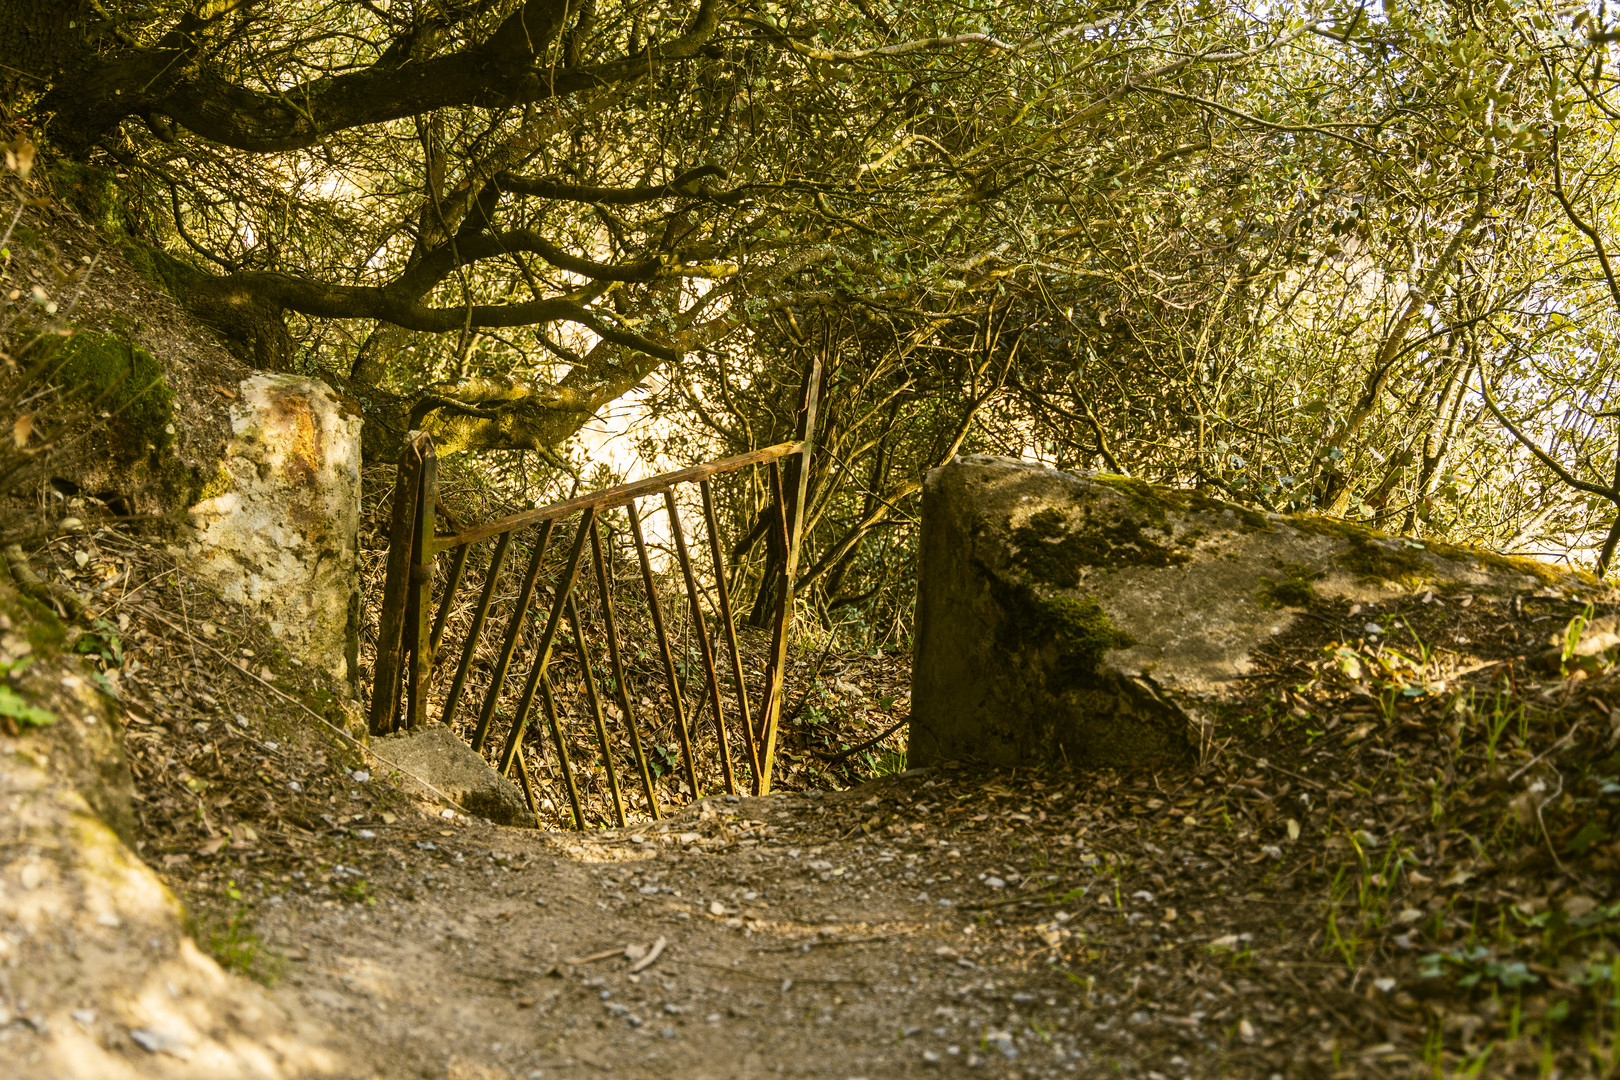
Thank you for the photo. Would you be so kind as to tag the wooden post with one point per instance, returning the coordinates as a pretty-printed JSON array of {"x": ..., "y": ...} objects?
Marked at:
[
  {"x": 402, "y": 532},
  {"x": 791, "y": 505},
  {"x": 418, "y": 643}
]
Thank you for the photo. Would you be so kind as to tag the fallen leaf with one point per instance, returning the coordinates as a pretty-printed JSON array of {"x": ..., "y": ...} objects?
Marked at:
[
  {"x": 20, "y": 158},
  {"x": 1576, "y": 906}
]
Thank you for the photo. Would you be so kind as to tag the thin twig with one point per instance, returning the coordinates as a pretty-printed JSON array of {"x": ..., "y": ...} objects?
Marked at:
[
  {"x": 1570, "y": 734},
  {"x": 868, "y": 744}
]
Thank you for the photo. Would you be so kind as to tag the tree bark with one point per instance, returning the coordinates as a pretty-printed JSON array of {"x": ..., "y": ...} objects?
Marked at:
[{"x": 38, "y": 40}]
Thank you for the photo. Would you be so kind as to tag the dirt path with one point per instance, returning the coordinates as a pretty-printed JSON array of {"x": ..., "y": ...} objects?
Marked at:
[{"x": 796, "y": 945}]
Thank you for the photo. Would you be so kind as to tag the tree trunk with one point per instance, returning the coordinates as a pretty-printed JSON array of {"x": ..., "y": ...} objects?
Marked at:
[{"x": 37, "y": 40}]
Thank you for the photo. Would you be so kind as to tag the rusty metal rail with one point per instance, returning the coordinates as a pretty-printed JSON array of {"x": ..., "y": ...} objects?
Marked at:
[{"x": 410, "y": 641}]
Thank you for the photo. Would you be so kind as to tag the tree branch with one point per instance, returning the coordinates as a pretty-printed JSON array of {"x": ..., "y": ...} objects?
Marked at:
[
  {"x": 1545, "y": 458},
  {"x": 367, "y": 302},
  {"x": 169, "y": 79},
  {"x": 686, "y": 185},
  {"x": 433, "y": 267}
]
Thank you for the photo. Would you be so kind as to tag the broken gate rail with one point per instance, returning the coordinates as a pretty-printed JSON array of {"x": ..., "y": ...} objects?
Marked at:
[{"x": 407, "y": 643}]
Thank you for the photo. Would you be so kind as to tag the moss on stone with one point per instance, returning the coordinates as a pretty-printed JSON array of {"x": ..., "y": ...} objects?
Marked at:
[
  {"x": 44, "y": 631},
  {"x": 1142, "y": 497},
  {"x": 91, "y": 190},
  {"x": 1334, "y": 527},
  {"x": 158, "y": 267},
  {"x": 1082, "y": 632},
  {"x": 1294, "y": 591},
  {"x": 124, "y": 381},
  {"x": 1188, "y": 502},
  {"x": 1371, "y": 555},
  {"x": 1154, "y": 503},
  {"x": 1077, "y": 628},
  {"x": 1395, "y": 560},
  {"x": 219, "y": 483},
  {"x": 1052, "y": 554},
  {"x": 1375, "y": 555},
  {"x": 1542, "y": 572}
]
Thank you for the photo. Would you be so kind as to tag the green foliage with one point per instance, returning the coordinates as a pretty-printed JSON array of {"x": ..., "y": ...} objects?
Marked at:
[
  {"x": 1471, "y": 965},
  {"x": 357, "y": 892},
  {"x": 237, "y": 947},
  {"x": 887, "y": 763},
  {"x": 663, "y": 760},
  {"x": 15, "y": 707},
  {"x": 102, "y": 641},
  {"x": 91, "y": 190},
  {"x": 1234, "y": 252}
]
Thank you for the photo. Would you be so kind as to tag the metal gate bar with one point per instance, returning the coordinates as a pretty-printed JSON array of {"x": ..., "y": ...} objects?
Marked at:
[
  {"x": 723, "y": 593},
  {"x": 671, "y": 680},
  {"x": 410, "y": 635},
  {"x": 617, "y": 663}
]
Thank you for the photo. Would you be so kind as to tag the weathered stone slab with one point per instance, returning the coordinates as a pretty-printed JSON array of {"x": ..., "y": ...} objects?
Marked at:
[
  {"x": 278, "y": 529},
  {"x": 1096, "y": 619},
  {"x": 433, "y": 753}
]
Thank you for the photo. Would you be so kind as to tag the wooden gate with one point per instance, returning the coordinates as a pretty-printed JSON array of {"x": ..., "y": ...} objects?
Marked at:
[{"x": 414, "y": 682}]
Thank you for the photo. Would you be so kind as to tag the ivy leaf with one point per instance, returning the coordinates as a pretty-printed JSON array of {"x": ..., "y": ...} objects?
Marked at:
[{"x": 13, "y": 706}]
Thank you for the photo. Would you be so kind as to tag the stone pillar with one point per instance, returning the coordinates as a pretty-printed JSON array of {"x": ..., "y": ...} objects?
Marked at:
[{"x": 278, "y": 529}]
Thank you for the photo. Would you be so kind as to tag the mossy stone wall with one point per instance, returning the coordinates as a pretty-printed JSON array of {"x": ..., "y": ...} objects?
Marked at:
[{"x": 1098, "y": 620}]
